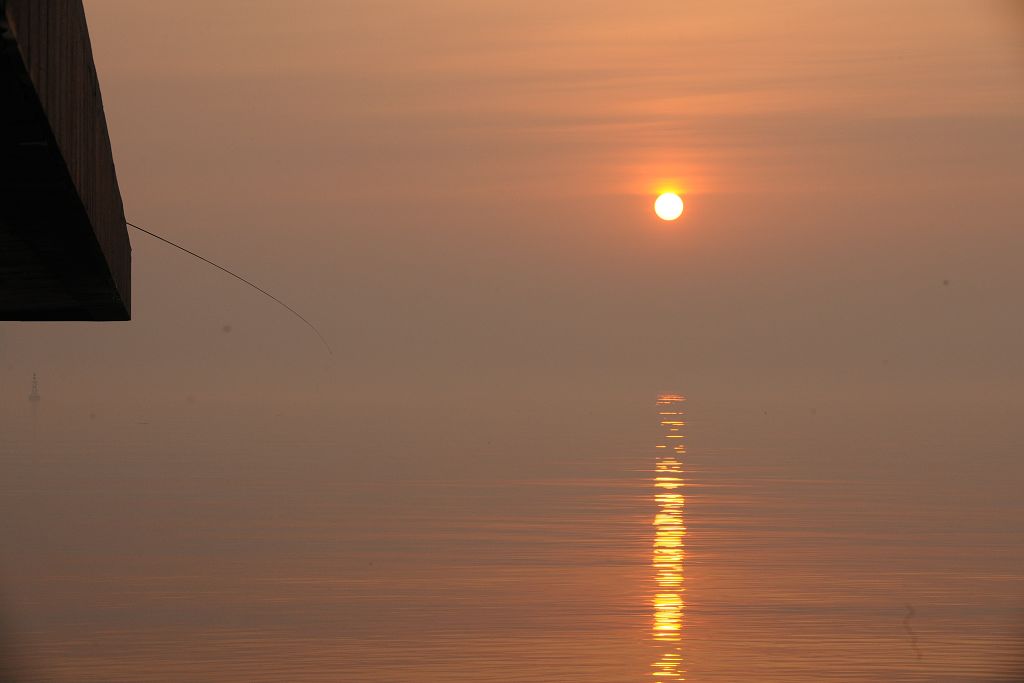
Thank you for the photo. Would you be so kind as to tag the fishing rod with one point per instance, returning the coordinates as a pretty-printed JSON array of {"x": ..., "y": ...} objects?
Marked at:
[{"x": 237, "y": 277}]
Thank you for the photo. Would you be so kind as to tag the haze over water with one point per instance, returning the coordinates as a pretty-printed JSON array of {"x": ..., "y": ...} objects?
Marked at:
[
  {"x": 559, "y": 439},
  {"x": 535, "y": 540}
]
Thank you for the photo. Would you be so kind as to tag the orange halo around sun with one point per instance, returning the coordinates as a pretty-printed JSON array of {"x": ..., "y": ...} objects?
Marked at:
[{"x": 668, "y": 206}]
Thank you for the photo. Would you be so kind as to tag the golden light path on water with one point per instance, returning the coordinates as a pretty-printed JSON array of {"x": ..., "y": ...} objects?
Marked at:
[{"x": 669, "y": 541}]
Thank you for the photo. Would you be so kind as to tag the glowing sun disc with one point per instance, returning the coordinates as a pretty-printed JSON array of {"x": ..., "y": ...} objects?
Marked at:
[{"x": 668, "y": 206}]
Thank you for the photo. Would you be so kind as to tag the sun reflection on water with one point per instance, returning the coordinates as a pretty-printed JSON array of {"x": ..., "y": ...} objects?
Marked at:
[{"x": 669, "y": 542}]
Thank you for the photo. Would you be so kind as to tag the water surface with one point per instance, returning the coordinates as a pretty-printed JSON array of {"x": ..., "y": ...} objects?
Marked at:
[{"x": 656, "y": 537}]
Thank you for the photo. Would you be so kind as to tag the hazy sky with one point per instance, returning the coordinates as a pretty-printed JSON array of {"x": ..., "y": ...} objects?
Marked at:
[{"x": 460, "y": 192}]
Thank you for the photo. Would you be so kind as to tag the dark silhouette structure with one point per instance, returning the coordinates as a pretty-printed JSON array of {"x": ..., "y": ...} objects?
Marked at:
[
  {"x": 34, "y": 397},
  {"x": 64, "y": 249}
]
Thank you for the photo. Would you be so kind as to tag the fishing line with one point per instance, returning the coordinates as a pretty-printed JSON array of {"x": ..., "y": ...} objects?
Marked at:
[{"x": 238, "y": 277}]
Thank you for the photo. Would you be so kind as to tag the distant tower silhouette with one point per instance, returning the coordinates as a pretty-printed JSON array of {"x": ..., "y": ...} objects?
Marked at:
[{"x": 34, "y": 398}]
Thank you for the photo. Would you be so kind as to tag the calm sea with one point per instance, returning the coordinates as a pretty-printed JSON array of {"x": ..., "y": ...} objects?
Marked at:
[{"x": 658, "y": 537}]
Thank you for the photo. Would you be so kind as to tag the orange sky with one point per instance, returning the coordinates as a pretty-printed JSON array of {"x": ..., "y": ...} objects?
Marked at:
[
  {"x": 459, "y": 194},
  {"x": 461, "y": 190}
]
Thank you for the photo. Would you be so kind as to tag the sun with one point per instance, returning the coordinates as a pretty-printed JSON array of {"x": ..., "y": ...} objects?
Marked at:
[{"x": 668, "y": 206}]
